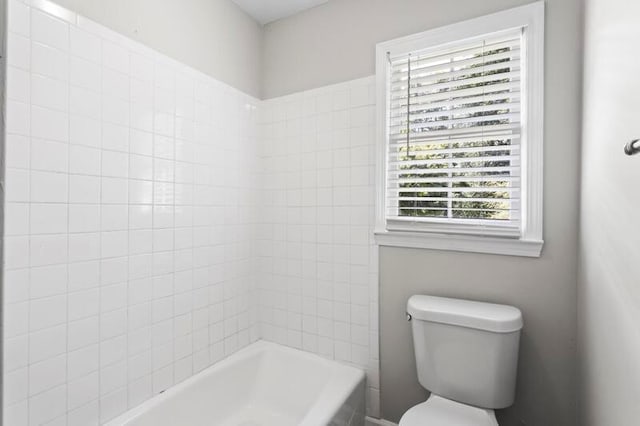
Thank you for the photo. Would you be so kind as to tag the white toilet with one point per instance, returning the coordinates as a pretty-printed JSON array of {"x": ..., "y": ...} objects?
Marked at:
[{"x": 466, "y": 356}]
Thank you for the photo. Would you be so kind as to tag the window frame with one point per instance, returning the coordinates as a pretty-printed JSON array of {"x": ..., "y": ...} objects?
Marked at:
[{"x": 449, "y": 235}]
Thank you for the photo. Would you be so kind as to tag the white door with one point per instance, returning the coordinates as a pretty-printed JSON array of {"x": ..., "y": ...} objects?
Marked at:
[{"x": 609, "y": 284}]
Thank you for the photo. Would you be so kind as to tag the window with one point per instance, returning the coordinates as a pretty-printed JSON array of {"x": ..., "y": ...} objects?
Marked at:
[{"x": 460, "y": 133}]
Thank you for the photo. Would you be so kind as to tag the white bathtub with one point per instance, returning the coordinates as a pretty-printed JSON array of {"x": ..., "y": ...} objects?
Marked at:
[{"x": 264, "y": 384}]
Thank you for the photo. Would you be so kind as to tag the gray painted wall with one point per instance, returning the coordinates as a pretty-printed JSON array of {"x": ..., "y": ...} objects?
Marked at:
[
  {"x": 213, "y": 36},
  {"x": 609, "y": 284},
  {"x": 335, "y": 42}
]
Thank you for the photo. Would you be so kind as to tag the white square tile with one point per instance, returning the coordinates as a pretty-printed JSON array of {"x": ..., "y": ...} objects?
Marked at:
[
  {"x": 84, "y": 275},
  {"x": 48, "y": 187},
  {"x": 19, "y": 51},
  {"x": 83, "y": 391},
  {"x": 84, "y": 247},
  {"x": 140, "y": 242},
  {"x": 113, "y": 323},
  {"x": 115, "y": 137},
  {"x": 140, "y": 192},
  {"x": 114, "y": 271},
  {"x": 83, "y": 361},
  {"x": 115, "y": 83},
  {"x": 85, "y": 131},
  {"x": 16, "y": 352},
  {"x": 47, "y": 374},
  {"x": 85, "y": 102},
  {"x": 113, "y": 404},
  {"x": 141, "y": 67},
  {"x": 141, "y": 93},
  {"x": 18, "y": 185},
  {"x": 19, "y": 18},
  {"x": 114, "y": 217},
  {"x": 141, "y": 117},
  {"x": 47, "y": 343},
  {"x": 48, "y": 249},
  {"x": 114, "y": 190},
  {"x": 85, "y": 74},
  {"x": 82, "y": 333},
  {"x": 114, "y": 244},
  {"x": 163, "y": 147},
  {"x": 49, "y": 124},
  {"x": 16, "y": 219},
  {"x": 84, "y": 218},
  {"x": 115, "y": 57},
  {"x": 113, "y": 350},
  {"x": 163, "y": 217},
  {"x": 18, "y": 118},
  {"x": 16, "y": 284},
  {"x": 140, "y": 167},
  {"x": 85, "y": 415},
  {"x": 48, "y": 218},
  {"x": 115, "y": 164},
  {"x": 83, "y": 304},
  {"x": 140, "y": 390},
  {"x": 165, "y": 77},
  {"x": 85, "y": 45},
  {"x": 49, "y": 61},
  {"x": 141, "y": 142},
  {"x": 84, "y": 160},
  {"x": 17, "y": 151},
  {"x": 49, "y": 30},
  {"x": 84, "y": 189},
  {"x": 115, "y": 111},
  {"x": 47, "y": 405},
  {"x": 16, "y": 319},
  {"x": 18, "y": 87},
  {"x": 49, "y": 93},
  {"x": 48, "y": 281},
  {"x": 15, "y": 386},
  {"x": 163, "y": 170},
  {"x": 49, "y": 155},
  {"x": 17, "y": 252}
]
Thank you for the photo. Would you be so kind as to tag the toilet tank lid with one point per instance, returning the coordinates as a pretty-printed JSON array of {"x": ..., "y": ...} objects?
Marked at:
[{"x": 465, "y": 313}]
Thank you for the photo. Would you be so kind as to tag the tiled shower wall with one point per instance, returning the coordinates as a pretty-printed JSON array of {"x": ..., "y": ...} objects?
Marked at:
[
  {"x": 130, "y": 203},
  {"x": 139, "y": 193},
  {"x": 318, "y": 280}
]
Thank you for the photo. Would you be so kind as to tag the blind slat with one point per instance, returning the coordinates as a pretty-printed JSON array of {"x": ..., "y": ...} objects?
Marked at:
[
  {"x": 457, "y": 179},
  {"x": 512, "y": 117},
  {"x": 415, "y": 106},
  {"x": 486, "y": 45},
  {"x": 428, "y": 79},
  {"x": 459, "y": 93},
  {"x": 424, "y": 67},
  {"x": 413, "y": 117},
  {"x": 450, "y": 83},
  {"x": 467, "y": 131}
]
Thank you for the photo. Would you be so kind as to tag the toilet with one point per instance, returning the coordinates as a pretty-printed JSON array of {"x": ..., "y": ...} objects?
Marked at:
[{"x": 466, "y": 356}]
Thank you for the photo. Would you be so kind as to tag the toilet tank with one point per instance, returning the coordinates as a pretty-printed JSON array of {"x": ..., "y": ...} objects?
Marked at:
[{"x": 466, "y": 351}]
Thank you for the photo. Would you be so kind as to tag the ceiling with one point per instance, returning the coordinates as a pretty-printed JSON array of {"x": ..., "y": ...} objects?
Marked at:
[{"x": 265, "y": 11}]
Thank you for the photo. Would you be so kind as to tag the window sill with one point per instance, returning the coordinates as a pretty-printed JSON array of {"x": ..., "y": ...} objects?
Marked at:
[{"x": 463, "y": 243}]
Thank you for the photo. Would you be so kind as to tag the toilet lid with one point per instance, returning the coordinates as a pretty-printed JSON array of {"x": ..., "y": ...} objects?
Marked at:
[{"x": 438, "y": 411}]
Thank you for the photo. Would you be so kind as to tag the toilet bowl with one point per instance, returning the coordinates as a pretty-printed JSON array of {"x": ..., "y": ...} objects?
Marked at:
[
  {"x": 438, "y": 411},
  {"x": 466, "y": 356}
]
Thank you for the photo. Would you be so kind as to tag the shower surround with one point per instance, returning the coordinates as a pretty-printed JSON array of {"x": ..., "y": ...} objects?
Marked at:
[
  {"x": 157, "y": 221},
  {"x": 318, "y": 269}
]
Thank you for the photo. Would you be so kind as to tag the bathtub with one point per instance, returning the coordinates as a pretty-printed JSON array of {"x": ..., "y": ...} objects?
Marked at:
[{"x": 264, "y": 384}]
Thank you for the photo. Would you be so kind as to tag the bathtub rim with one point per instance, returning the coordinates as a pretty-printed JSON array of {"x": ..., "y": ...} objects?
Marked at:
[{"x": 332, "y": 396}]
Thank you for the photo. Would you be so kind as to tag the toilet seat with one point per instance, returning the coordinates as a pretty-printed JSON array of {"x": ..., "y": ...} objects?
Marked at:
[{"x": 438, "y": 411}]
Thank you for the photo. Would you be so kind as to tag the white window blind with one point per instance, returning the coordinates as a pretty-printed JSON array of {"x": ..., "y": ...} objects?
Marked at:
[{"x": 454, "y": 152}]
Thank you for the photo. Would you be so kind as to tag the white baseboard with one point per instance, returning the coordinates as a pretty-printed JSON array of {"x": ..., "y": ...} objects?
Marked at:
[{"x": 370, "y": 421}]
